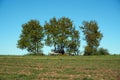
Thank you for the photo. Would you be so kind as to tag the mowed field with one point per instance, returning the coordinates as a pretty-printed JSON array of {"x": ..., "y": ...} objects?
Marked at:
[{"x": 59, "y": 67}]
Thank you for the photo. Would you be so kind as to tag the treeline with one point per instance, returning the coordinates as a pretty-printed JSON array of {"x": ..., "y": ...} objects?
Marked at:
[{"x": 63, "y": 35}]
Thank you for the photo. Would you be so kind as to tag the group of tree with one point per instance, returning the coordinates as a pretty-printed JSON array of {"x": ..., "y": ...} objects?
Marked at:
[{"x": 62, "y": 34}]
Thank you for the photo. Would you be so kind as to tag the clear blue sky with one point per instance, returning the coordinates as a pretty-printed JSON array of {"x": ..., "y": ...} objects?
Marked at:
[{"x": 14, "y": 13}]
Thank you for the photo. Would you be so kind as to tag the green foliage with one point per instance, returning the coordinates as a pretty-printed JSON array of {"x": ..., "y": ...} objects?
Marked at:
[
  {"x": 88, "y": 50},
  {"x": 62, "y": 35},
  {"x": 102, "y": 51},
  {"x": 31, "y": 37},
  {"x": 74, "y": 43},
  {"x": 92, "y": 36}
]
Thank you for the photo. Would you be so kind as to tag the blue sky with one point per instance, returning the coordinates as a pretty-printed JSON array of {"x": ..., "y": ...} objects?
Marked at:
[{"x": 14, "y": 13}]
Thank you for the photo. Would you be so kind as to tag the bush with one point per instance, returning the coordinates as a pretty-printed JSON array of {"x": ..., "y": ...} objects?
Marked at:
[{"x": 102, "y": 51}]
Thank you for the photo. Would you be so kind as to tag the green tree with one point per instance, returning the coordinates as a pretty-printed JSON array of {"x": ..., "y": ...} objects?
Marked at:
[
  {"x": 92, "y": 36},
  {"x": 31, "y": 37},
  {"x": 59, "y": 33},
  {"x": 65, "y": 27}
]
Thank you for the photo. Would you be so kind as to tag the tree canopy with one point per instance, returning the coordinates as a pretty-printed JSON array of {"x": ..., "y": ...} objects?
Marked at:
[
  {"x": 61, "y": 34},
  {"x": 31, "y": 37},
  {"x": 92, "y": 36}
]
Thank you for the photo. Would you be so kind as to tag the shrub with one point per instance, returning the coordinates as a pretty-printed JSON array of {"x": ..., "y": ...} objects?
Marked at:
[{"x": 102, "y": 51}]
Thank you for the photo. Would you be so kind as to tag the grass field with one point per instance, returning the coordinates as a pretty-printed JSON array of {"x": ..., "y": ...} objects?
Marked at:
[{"x": 59, "y": 68}]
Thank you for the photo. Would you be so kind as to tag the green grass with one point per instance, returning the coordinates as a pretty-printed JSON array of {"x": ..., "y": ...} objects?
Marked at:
[{"x": 59, "y": 67}]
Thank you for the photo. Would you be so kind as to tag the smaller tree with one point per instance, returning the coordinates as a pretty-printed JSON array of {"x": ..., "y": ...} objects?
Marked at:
[
  {"x": 31, "y": 37},
  {"x": 92, "y": 36}
]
